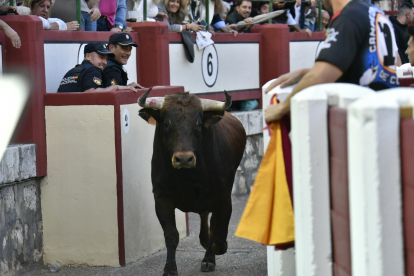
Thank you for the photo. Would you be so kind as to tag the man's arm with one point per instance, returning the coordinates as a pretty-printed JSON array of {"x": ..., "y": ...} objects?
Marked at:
[
  {"x": 11, "y": 34},
  {"x": 120, "y": 15},
  {"x": 93, "y": 5},
  {"x": 111, "y": 88},
  {"x": 322, "y": 72},
  {"x": 112, "y": 75}
]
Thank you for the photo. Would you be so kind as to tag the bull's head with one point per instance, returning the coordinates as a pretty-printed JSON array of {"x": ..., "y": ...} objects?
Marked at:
[{"x": 182, "y": 120}]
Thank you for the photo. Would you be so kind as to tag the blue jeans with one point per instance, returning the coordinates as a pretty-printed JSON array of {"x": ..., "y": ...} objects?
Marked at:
[
  {"x": 87, "y": 24},
  {"x": 102, "y": 25}
]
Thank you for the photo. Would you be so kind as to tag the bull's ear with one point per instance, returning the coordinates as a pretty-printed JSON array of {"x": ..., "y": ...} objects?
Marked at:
[
  {"x": 152, "y": 116},
  {"x": 212, "y": 117}
]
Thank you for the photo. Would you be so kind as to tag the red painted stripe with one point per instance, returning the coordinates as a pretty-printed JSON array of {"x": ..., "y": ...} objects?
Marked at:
[
  {"x": 302, "y": 36},
  {"x": 407, "y": 175},
  {"x": 105, "y": 98},
  {"x": 119, "y": 185},
  {"x": 338, "y": 158}
]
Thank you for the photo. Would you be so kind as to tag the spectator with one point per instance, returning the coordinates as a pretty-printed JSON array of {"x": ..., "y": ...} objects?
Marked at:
[
  {"x": 176, "y": 11},
  {"x": 218, "y": 23},
  {"x": 307, "y": 16},
  {"x": 120, "y": 44},
  {"x": 325, "y": 20},
  {"x": 241, "y": 13},
  {"x": 113, "y": 13},
  {"x": 41, "y": 8},
  {"x": 88, "y": 76},
  {"x": 410, "y": 45},
  {"x": 224, "y": 14},
  {"x": 288, "y": 18},
  {"x": 400, "y": 22},
  {"x": 90, "y": 14},
  {"x": 11, "y": 34},
  {"x": 22, "y": 10}
]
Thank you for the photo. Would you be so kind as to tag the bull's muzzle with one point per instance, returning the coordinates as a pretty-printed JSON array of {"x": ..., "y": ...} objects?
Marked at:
[{"x": 184, "y": 159}]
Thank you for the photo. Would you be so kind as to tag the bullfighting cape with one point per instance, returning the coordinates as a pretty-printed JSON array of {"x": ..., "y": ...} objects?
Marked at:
[{"x": 268, "y": 216}]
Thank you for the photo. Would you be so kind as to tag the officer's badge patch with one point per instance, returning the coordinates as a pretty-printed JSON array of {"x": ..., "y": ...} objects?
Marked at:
[
  {"x": 127, "y": 36},
  {"x": 113, "y": 82},
  {"x": 96, "y": 80}
]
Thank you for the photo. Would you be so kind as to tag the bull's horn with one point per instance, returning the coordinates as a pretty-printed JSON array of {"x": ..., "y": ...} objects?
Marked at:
[
  {"x": 210, "y": 105},
  {"x": 154, "y": 102}
]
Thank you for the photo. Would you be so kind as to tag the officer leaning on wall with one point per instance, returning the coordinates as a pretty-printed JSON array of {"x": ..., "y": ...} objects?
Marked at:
[
  {"x": 120, "y": 44},
  {"x": 88, "y": 76}
]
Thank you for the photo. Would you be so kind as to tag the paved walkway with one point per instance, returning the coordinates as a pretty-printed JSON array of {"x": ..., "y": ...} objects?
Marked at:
[{"x": 243, "y": 257}]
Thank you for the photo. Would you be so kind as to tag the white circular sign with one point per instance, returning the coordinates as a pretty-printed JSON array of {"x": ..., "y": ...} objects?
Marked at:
[
  {"x": 125, "y": 120},
  {"x": 209, "y": 65}
]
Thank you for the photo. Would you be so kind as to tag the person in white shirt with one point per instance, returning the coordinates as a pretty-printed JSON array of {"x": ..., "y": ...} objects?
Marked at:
[{"x": 42, "y": 8}]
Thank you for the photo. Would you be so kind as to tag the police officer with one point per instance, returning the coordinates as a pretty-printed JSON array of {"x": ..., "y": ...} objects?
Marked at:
[
  {"x": 88, "y": 76},
  {"x": 120, "y": 44}
]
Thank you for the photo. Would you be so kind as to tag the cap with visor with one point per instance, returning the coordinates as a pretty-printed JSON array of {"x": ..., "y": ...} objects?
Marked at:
[
  {"x": 123, "y": 39},
  {"x": 99, "y": 47}
]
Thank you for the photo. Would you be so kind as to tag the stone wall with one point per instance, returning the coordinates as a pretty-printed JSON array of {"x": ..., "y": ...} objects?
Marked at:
[
  {"x": 253, "y": 153},
  {"x": 21, "y": 237}
]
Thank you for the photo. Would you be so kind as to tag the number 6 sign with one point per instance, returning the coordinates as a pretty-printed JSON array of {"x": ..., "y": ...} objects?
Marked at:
[{"x": 209, "y": 65}]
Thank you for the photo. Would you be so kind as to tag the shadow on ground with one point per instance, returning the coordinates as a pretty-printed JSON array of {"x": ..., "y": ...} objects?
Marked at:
[{"x": 243, "y": 257}]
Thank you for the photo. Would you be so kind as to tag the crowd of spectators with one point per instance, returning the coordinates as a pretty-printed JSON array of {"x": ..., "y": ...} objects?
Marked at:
[{"x": 180, "y": 15}]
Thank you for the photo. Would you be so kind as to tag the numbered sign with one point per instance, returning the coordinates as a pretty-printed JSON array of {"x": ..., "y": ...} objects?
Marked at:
[
  {"x": 209, "y": 65},
  {"x": 125, "y": 120}
]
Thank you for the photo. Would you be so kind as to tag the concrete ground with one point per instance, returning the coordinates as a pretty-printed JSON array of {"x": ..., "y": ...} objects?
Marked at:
[{"x": 243, "y": 257}]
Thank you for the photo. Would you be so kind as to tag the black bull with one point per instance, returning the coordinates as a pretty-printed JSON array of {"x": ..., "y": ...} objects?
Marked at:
[{"x": 197, "y": 149}]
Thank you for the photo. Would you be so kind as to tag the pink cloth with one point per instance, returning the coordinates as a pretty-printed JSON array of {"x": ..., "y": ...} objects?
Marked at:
[{"x": 108, "y": 9}]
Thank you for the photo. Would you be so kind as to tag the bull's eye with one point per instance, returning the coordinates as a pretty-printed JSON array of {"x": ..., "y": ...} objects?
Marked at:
[{"x": 166, "y": 126}]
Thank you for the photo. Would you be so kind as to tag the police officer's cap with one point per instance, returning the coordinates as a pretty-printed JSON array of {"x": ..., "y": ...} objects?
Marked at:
[
  {"x": 99, "y": 47},
  {"x": 122, "y": 39}
]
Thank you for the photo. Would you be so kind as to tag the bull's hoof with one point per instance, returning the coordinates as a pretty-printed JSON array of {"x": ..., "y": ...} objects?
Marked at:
[
  {"x": 220, "y": 248},
  {"x": 207, "y": 266},
  {"x": 170, "y": 269}
]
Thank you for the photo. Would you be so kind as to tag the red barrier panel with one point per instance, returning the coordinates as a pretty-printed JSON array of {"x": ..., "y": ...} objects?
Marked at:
[
  {"x": 341, "y": 242},
  {"x": 29, "y": 59},
  {"x": 407, "y": 172}
]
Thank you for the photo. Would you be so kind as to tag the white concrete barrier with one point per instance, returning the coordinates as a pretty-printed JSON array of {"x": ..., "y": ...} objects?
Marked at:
[
  {"x": 311, "y": 173},
  {"x": 375, "y": 182}
]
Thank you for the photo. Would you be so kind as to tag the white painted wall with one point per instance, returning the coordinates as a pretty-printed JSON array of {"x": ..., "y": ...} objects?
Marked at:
[
  {"x": 302, "y": 54},
  {"x": 143, "y": 232},
  {"x": 61, "y": 57},
  {"x": 79, "y": 195},
  {"x": 311, "y": 173},
  {"x": 236, "y": 69},
  {"x": 375, "y": 182}
]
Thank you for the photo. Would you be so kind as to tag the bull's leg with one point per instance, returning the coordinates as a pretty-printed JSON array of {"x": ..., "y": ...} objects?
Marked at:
[
  {"x": 209, "y": 261},
  {"x": 222, "y": 216},
  {"x": 204, "y": 232},
  {"x": 166, "y": 215}
]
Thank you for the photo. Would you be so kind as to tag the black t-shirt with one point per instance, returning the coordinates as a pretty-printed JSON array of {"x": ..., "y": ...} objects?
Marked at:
[{"x": 361, "y": 43}]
